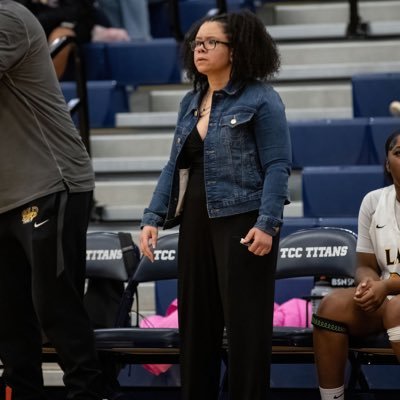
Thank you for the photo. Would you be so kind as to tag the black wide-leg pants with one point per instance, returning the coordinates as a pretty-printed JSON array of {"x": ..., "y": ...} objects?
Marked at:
[
  {"x": 222, "y": 284},
  {"x": 42, "y": 272}
]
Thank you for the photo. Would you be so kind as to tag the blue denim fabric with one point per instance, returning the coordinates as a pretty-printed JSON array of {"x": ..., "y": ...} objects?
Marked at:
[{"x": 247, "y": 157}]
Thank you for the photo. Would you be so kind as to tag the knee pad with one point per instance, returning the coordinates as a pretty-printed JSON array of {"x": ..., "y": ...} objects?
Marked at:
[
  {"x": 394, "y": 334},
  {"x": 329, "y": 324}
]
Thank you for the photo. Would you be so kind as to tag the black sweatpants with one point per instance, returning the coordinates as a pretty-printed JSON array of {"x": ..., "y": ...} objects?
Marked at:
[
  {"x": 42, "y": 272},
  {"x": 222, "y": 284}
]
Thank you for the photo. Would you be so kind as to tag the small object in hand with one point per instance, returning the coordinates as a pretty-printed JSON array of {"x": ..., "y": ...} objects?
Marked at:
[{"x": 244, "y": 243}]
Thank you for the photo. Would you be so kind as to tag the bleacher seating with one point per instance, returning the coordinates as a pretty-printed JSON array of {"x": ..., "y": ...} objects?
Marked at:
[
  {"x": 188, "y": 12},
  {"x": 350, "y": 223},
  {"x": 192, "y": 10},
  {"x": 339, "y": 160},
  {"x": 293, "y": 224},
  {"x": 337, "y": 191},
  {"x": 96, "y": 64},
  {"x": 330, "y": 142},
  {"x": 144, "y": 62},
  {"x": 380, "y": 129},
  {"x": 373, "y": 93},
  {"x": 105, "y": 99}
]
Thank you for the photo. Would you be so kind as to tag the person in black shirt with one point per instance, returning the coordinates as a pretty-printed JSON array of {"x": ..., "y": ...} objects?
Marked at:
[{"x": 59, "y": 18}]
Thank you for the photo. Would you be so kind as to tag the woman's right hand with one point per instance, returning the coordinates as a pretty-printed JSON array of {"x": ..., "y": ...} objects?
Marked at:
[
  {"x": 148, "y": 241},
  {"x": 370, "y": 294}
]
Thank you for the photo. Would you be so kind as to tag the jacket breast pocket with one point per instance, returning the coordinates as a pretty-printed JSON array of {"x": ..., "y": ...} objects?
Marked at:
[{"x": 235, "y": 127}]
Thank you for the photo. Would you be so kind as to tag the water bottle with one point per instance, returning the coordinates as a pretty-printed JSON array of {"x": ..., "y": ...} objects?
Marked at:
[{"x": 322, "y": 287}]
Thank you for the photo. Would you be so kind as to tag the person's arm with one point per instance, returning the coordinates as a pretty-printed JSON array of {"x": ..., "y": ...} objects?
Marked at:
[
  {"x": 14, "y": 42},
  {"x": 155, "y": 214},
  {"x": 367, "y": 267},
  {"x": 274, "y": 152},
  {"x": 371, "y": 291},
  {"x": 68, "y": 11}
]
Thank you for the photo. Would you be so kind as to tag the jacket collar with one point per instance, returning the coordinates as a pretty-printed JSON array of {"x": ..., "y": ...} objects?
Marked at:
[
  {"x": 233, "y": 87},
  {"x": 230, "y": 89}
]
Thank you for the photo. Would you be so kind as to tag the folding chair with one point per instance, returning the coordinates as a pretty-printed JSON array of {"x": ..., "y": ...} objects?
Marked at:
[
  {"x": 330, "y": 252},
  {"x": 111, "y": 260},
  {"x": 136, "y": 345},
  {"x": 311, "y": 252}
]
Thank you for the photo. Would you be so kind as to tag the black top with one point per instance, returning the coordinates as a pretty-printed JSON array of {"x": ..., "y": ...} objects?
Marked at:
[{"x": 192, "y": 152}]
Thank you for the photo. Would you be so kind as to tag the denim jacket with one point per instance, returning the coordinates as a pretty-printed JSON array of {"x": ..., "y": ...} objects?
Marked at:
[{"x": 247, "y": 157}]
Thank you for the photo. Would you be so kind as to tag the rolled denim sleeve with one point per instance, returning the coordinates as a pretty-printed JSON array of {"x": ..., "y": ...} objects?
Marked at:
[
  {"x": 274, "y": 151},
  {"x": 156, "y": 212}
]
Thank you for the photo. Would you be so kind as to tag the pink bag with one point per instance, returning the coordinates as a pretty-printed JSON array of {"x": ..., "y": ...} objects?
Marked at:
[
  {"x": 293, "y": 313},
  {"x": 157, "y": 321},
  {"x": 290, "y": 313}
]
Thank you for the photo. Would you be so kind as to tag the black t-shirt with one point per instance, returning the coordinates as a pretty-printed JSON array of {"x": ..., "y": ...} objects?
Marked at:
[{"x": 52, "y": 13}]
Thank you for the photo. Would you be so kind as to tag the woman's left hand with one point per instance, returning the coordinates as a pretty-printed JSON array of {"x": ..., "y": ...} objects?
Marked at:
[{"x": 258, "y": 242}]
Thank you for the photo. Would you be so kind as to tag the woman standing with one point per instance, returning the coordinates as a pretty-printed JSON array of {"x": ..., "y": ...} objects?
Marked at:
[{"x": 226, "y": 184}]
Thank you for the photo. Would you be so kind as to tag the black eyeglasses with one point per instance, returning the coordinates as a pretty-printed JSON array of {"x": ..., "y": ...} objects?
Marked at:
[{"x": 209, "y": 44}]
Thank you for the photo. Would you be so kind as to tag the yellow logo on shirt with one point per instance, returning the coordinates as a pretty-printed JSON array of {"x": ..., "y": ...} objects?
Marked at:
[
  {"x": 29, "y": 214},
  {"x": 394, "y": 275}
]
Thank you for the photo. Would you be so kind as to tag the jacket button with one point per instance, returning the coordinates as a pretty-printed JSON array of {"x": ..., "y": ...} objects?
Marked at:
[{"x": 233, "y": 121}]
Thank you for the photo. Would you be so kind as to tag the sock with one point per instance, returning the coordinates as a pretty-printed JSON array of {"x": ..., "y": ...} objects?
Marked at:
[{"x": 332, "y": 394}]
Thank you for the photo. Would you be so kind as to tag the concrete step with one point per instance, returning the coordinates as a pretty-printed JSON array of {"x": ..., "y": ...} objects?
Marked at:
[
  {"x": 135, "y": 213},
  {"x": 337, "y": 60},
  {"x": 113, "y": 144},
  {"x": 125, "y": 200},
  {"x": 302, "y": 101},
  {"x": 133, "y": 193},
  {"x": 128, "y": 164},
  {"x": 295, "y": 96},
  {"x": 318, "y": 12},
  {"x": 304, "y": 63},
  {"x": 167, "y": 119},
  {"x": 343, "y": 52},
  {"x": 141, "y": 120},
  {"x": 337, "y": 30}
]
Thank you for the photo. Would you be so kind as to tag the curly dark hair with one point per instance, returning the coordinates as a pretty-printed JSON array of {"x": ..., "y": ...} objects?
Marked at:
[
  {"x": 254, "y": 52},
  {"x": 389, "y": 144}
]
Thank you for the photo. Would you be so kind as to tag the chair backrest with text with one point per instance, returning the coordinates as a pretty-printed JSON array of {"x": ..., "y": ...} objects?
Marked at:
[
  {"x": 317, "y": 251},
  {"x": 111, "y": 260}
]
